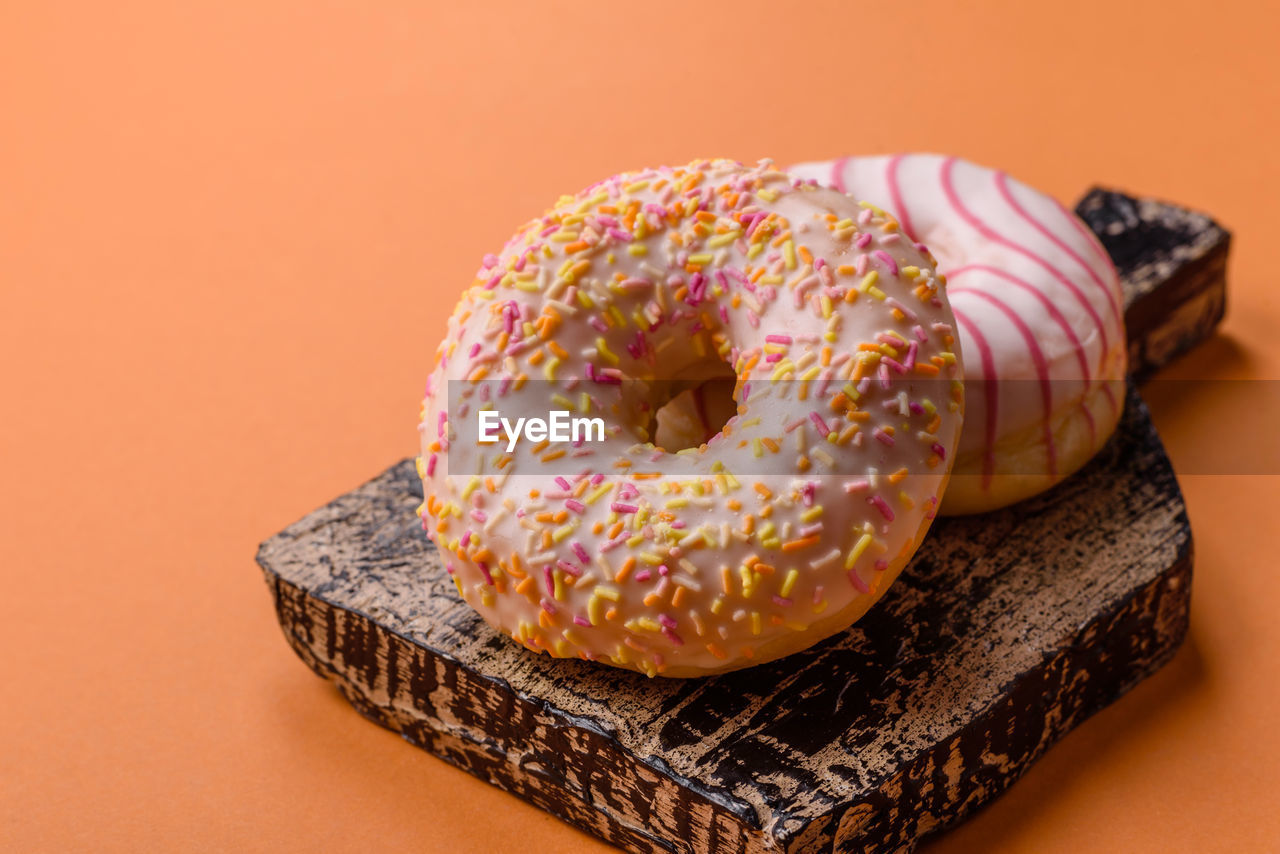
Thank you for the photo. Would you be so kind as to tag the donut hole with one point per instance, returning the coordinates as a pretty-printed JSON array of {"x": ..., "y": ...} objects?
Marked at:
[{"x": 696, "y": 410}]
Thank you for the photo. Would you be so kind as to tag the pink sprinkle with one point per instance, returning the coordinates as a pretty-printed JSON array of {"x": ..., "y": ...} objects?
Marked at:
[
  {"x": 580, "y": 552},
  {"x": 667, "y": 621},
  {"x": 547, "y": 606},
  {"x": 893, "y": 363},
  {"x": 886, "y": 259},
  {"x": 484, "y": 570},
  {"x": 581, "y": 620},
  {"x": 911, "y": 315},
  {"x": 569, "y": 568},
  {"x": 643, "y": 575},
  {"x": 563, "y": 484},
  {"x": 884, "y": 437},
  {"x": 479, "y": 516},
  {"x": 596, "y": 478},
  {"x": 820, "y": 424},
  {"x": 778, "y": 339},
  {"x": 778, "y": 600},
  {"x": 939, "y": 450},
  {"x": 857, "y": 582},
  {"x": 431, "y": 465},
  {"x": 920, "y": 334},
  {"x": 475, "y": 348},
  {"x": 879, "y": 503},
  {"x": 575, "y": 505},
  {"x": 862, "y": 240},
  {"x": 466, "y": 538}
]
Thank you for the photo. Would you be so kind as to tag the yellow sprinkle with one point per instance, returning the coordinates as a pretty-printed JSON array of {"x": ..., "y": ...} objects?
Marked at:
[
  {"x": 790, "y": 581},
  {"x": 603, "y": 349},
  {"x": 587, "y": 204},
  {"x": 559, "y": 534},
  {"x": 857, "y": 550},
  {"x": 637, "y": 250}
]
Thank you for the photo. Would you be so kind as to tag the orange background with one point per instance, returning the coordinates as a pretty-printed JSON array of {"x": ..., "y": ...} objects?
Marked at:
[{"x": 229, "y": 237}]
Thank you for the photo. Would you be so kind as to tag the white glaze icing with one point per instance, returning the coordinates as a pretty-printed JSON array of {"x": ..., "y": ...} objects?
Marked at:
[{"x": 783, "y": 528}]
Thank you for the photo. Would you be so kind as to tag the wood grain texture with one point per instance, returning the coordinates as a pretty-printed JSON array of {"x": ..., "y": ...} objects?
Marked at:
[
  {"x": 1006, "y": 631},
  {"x": 1173, "y": 268}
]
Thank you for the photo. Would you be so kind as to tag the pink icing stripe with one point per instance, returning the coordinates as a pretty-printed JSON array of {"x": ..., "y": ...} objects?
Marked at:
[
  {"x": 837, "y": 174},
  {"x": 1042, "y": 371},
  {"x": 1053, "y": 312},
  {"x": 895, "y": 196},
  {"x": 989, "y": 372},
  {"x": 1089, "y": 236},
  {"x": 1002, "y": 183},
  {"x": 991, "y": 234}
]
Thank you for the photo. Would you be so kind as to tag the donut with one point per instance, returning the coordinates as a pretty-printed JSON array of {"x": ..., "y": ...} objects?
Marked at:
[
  {"x": 784, "y": 526},
  {"x": 1040, "y": 317}
]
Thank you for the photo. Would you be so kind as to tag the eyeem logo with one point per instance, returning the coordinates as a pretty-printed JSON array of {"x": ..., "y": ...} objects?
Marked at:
[{"x": 557, "y": 427}]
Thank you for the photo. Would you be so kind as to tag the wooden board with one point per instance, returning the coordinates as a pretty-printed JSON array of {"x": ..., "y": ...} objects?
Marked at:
[
  {"x": 1173, "y": 263},
  {"x": 1005, "y": 632}
]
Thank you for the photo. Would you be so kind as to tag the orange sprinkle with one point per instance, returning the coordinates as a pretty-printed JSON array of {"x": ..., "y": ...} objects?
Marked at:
[{"x": 797, "y": 545}]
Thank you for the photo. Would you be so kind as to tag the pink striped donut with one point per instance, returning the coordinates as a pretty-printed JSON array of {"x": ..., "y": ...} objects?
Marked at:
[{"x": 1038, "y": 306}]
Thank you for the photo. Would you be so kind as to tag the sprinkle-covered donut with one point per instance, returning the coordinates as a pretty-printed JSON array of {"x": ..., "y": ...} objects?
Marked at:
[
  {"x": 1039, "y": 310},
  {"x": 787, "y": 524}
]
